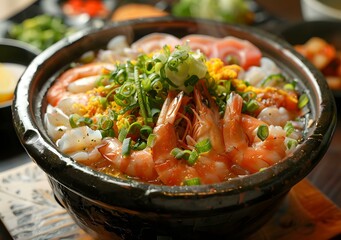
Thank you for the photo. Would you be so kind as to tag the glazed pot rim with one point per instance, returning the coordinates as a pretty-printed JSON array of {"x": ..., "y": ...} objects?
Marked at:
[{"x": 79, "y": 178}]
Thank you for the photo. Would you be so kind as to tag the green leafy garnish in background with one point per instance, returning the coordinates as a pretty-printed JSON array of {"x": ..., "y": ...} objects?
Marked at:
[
  {"x": 230, "y": 11},
  {"x": 40, "y": 31}
]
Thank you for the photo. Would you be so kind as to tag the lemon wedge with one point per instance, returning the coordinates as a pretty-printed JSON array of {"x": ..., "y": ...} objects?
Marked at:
[{"x": 9, "y": 76}]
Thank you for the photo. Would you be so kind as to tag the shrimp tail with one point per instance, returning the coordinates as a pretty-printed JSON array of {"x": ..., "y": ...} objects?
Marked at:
[{"x": 235, "y": 138}]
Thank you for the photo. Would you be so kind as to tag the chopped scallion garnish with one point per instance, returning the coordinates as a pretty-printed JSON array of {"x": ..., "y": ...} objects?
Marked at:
[
  {"x": 292, "y": 143},
  {"x": 273, "y": 78},
  {"x": 302, "y": 101},
  {"x": 192, "y": 181},
  {"x": 193, "y": 157},
  {"x": 252, "y": 106},
  {"x": 262, "y": 132},
  {"x": 122, "y": 134},
  {"x": 177, "y": 153},
  {"x": 151, "y": 140},
  {"x": 203, "y": 146},
  {"x": 289, "y": 128},
  {"x": 126, "y": 147},
  {"x": 145, "y": 131}
]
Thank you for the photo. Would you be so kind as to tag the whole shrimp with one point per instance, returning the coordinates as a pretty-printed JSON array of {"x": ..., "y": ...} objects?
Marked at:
[
  {"x": 206, "y": 121},
  {"x": 171, "y": 171},
  {"x": 243, "y": 145},
  {"x": 213, "y": 166},
  {"x": 209, "y": 167},
  {"x": 138, "y": 164},
  {"x": 76, "y": 80}
]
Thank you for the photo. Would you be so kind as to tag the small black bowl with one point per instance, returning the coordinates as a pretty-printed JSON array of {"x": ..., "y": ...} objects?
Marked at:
[
  {"x": 112, "y": 208},
  {"x": 12, "y": 51},
  {"x": 300, "y": 33}
]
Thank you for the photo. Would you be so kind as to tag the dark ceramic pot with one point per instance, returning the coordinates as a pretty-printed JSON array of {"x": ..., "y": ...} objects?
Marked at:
[
  {"x": 12, "y": 51},
  {"x": 111, "y": 208}
]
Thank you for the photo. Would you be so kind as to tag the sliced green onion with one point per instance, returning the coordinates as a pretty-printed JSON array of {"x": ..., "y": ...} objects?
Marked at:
[
  {"x": 173, "y": 64},
  {"x": 108, "y": 133},
  {"x": 105, "y": 123},
  {"x": 122, "y": 134},
  {"x": 76, "y": 120},
  {"x": 203, "y": 146},
  {"x": 289, "y": 128},
  {"x": 292, "y": 143},
  {"x": 85, "y": 120},
  {"x": 151, "y": 140},
  {"x": 158, "y": 67},
  {"x": 157, "y": 85},
  {"x": 121, "y": 100},
  {"x": 146, "y": 84},
  {"x": 191, "y": 81},
  {"x": 134, "y": 128},
  {"x": 112, "y": 115},
  {"x": 262, "y": 132},
  {"x": 192, "y": 181},
  {"x": 104, "y": 102},
  {"x": 126, "y": 147},
  {"x": 140, "y": 96},
  {"x": 140, "y": 146},
  {"x": 252, "y": 106},
  {"x": 249, "y": 95},
  {"x": 193, "y": 157},
  {"x": 177, "y": 153},
  {"x": 290, "y": 86},
  {"x": 148, "y": 110},
  {"x": 120, "y": 76},
  {"x": 127, "y": 89},
  {"x": 145, "y": 131},
  {"x": 73, "y": 120},
  {"x": 302, "y": 101},
  {"x": 150, "y": 67},
  {"x": 130, "y": 107},
  {"x": 163, "y": 76},
  {"x": 273, "y": 78}
]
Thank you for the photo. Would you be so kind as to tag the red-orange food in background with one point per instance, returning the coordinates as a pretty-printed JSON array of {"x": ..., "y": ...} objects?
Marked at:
[
  {"x": 94, "y": 8},
  {"x": 136, "y": 10},
  {"x": 325, "y": 57}
]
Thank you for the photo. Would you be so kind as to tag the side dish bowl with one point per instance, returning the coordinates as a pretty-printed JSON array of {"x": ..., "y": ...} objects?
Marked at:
[
  {"x": 111, "y": 208},
  {"x": 14, "y": 54},
  {"x": 299, "y": 33}
]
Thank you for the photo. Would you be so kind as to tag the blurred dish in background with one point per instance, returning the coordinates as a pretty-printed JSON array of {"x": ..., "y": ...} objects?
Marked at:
[
  {"x": 40, "y": 31},
  {"x": 79, "y": 12},
  {"x": 321, "y": 9},
  {"x": 230, "y": 11},
  {"x": 15, "y": 56},
  {"x": 137, "y": 10},
  {"x": 320, "y": 42},
  {"x": 10, "y": 74},
  {"x": 93, "y": 8},
  {"x": 325, "y": 58}
]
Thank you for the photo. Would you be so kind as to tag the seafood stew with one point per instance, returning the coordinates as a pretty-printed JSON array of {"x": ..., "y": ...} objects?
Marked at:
[
  {"x": 177, "y": 111},
  {"x": 111, "y": 207}
]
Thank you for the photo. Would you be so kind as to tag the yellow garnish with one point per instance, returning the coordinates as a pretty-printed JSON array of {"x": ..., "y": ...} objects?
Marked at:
[{"x": 219, "y": 71}]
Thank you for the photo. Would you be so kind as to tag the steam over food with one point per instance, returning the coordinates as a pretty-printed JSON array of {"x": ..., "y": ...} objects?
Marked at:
[{"x": 171, "y": 111}]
